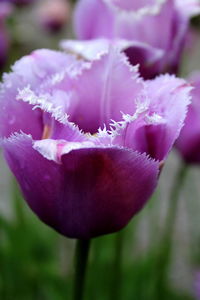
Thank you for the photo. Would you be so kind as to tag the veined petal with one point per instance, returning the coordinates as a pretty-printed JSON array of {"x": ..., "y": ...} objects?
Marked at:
[
  {"x": 92, "y": 192},
  {"x": 100, "y": 89},
  {"x": 140, "y": 53}
]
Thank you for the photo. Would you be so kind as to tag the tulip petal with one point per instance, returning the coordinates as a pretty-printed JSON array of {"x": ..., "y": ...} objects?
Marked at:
[
  {"x": 137, "y": 52},
  {"x": 174, "y": 110},
  {"x": 162, "y": 24},
  {"x": 101, "y": 18},
  {"x": 100, "y": 89},
  {"x": 33, "y": 70},
  {"x": 155, "y": 129},
  {"x": 84, "y": 27},
  {"x": 88, "y": 49},
  {"x": 92, "y": 192},
  {"x": 188, "y": 142},
  {"x": 189, "y": 8}
]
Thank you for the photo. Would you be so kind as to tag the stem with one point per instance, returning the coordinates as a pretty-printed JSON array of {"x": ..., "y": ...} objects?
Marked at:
[
  {"x": 81, "y": 258},
  {"x": 164, "y": 254},
  {"x": 174, "y": 197},
  {"x": 117, "y": 266}
]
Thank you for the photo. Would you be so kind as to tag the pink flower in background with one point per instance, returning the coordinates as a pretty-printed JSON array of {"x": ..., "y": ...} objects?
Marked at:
[
  {"x": 85, "y": 140},
  {"x": 54, "y": 14},
  {"x": 161, "y": 24},
  {"x": 188, "y": 142}
]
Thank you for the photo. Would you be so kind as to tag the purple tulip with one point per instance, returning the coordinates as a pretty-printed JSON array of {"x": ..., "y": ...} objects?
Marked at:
[
  {"x": 188, "y": 142},
  {"x": 85, "y": 140},
  {"x": 161, "y": 24}
]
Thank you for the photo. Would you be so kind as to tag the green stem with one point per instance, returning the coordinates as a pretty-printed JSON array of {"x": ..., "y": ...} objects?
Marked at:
[
  {"x": 81, "y": 258},
  {"x": 117, "y": 266},
  {"x": 165, "y": 249}
]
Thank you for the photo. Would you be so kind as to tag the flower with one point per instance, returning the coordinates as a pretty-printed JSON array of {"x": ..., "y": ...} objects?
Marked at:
[
  {"x": 161, "y": 24},
  {"x": 188, "y": 143},
  {"x": 54, "y": 14},
  {"x": 85, "y": 139}
]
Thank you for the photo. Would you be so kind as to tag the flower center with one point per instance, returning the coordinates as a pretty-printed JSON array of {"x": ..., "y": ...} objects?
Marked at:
[{"x": 47, "y": 131}]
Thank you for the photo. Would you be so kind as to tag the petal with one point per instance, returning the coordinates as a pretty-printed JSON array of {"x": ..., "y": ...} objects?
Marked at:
[
  {"x": 138, "y": 53},
  {"x": 169, "y": 98},
  {"x": 88, "y": 49},
  {"x": 188, "y": 142},
  {"x": 55, "y": 149},
  {"x": 92, "y": 19},
  {"x": 145, "y": 28},
  {"x": 110, "y": 86},
  {"x": 161, "y": 24},
  {"x": 140, "y": 7},
  {"x": 189, "y": 8},
  {"x": 93, "y": 191},
  {"x": 32, "y": 70},
  {"x": 98, "y": 18},
  {"x": 155, "y": 130},
  {"x": 148, "y": 58},
  {"x": 17, "y": 115},
  {"x": 55, "y": 119},
  {"x": 40, "y": 64}
]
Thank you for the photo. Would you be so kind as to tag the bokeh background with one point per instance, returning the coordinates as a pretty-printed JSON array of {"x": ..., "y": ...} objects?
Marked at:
[{"x": 37, "y": 263}]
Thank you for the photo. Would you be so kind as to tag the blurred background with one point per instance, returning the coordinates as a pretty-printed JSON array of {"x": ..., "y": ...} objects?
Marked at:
[{"x": 36, "y": 262}]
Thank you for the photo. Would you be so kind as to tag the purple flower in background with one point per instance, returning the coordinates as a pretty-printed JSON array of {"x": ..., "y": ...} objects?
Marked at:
[
  {"x": 85, "y": 140},
  {"x": 161, "y": 24},
  {"x": 197, "y": 285},
  {"x": 5, "y": 10},
  {"x": 188, "y": 142}
]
